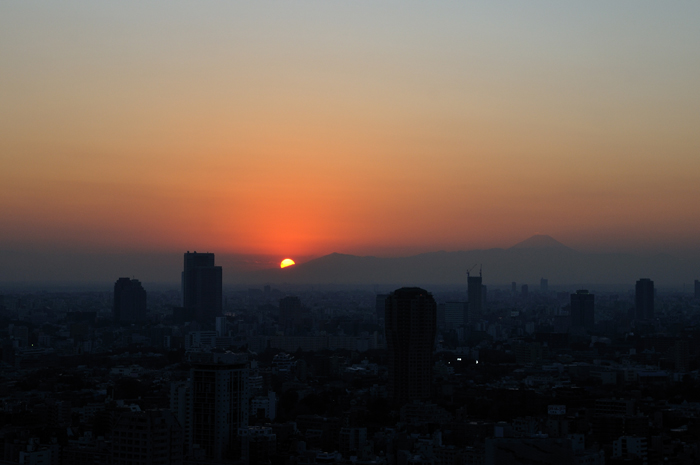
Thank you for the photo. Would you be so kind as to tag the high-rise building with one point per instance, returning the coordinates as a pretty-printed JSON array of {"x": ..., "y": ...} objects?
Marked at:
[
  {"x": 130, "y": 301},
  {"x": 153, "y": 437},
  {"x": 544, "y": 285},
  {"x": 456, "y": 313},
  {"x": 582, "y": 309},
  {"x": 410, "y": 324},
  {"x": 697, "y": 289},
  {"x": 475, "y": 296},
  {"x": 213, "y": 403},
  {"x": 644, "y": 299},
  {"x": 201, "y": 287}
]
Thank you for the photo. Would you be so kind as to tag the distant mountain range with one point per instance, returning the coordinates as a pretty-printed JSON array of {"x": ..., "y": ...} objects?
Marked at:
[{"x": 538, "y": 257}]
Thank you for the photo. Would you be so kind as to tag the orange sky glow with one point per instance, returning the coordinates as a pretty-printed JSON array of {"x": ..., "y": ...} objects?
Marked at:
[{"x": 354, "y": 128}]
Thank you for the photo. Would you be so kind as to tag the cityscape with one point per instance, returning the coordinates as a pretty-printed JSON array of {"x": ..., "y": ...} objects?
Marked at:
[
  {"x": 482, "y": 374},
  {"x": 349, "y": 232}
]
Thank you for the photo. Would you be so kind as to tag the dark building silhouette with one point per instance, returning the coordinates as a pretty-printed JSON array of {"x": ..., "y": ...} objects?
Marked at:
[
  {"x": 644, "y": 299},
  {"x": 475, "y": 296},
  {"x": 697, "y": 289},
  {"x": 411, "y": 324},
  {"x": 544, "y": 285},
  {"x": 182, "y": 315},
  {"x": 129, "y": 300},
  {"x": 454, "y": 313},
  {"x": 201, "y": 286},
  {"x": 582, "y": 309}
]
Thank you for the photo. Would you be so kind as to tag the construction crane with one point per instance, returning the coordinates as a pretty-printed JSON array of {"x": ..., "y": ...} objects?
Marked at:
[{"x": 474, "y": 266}]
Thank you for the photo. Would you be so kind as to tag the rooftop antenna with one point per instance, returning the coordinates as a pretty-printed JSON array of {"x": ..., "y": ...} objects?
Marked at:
[{"x": 470, "y": 269}]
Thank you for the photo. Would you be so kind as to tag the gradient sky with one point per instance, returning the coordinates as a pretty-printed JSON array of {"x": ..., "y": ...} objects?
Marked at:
[{"x": 386, "y": 128}]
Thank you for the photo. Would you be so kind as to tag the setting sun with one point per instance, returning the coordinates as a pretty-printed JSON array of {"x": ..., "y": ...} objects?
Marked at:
[{"x": 286, "y": 262}]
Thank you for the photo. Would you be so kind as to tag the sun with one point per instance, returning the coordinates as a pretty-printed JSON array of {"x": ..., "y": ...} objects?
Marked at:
[{"x": 286, "y": 262}]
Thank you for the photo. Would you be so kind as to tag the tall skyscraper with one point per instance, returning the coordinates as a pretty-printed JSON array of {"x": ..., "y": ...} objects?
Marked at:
[
  {"x": 697, "y": 289},
  {"x": 475, "y": 296},
  {"x": 213, "y": 403},
  {"x": 410, "y": 325},
  {"x": 130, "y": 301},
  {"x": 582, "y": 309},
  {"x": 201, "y": 287},
  {"x": 644, "y": 299}
]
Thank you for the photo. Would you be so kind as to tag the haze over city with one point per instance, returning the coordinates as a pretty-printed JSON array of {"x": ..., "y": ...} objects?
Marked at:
[{"x": 266, "y": 131}]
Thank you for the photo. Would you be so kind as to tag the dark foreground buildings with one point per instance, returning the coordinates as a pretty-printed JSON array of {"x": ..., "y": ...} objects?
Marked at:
[
  {"x": 411, "y": 323},
  {"x": 153, "y": 437},
  {"x": 201, "y": 287}
]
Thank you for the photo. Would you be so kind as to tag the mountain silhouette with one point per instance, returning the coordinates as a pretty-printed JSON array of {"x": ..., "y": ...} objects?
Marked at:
[
  {"x": 527, "y": 262},
  {"x": 540, "y": 241}
]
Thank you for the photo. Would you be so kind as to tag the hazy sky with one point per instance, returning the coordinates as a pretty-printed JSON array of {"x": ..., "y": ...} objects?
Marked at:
[{"x": 387, "y": 128}]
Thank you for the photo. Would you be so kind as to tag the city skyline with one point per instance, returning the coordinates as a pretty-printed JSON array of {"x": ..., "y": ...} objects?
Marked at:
[
  {"x": 298, "y": 131},
  {"x": 525, "y": 262}
]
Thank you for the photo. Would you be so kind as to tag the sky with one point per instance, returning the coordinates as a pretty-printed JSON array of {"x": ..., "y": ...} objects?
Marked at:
[{"x": 373, "y": 128}]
